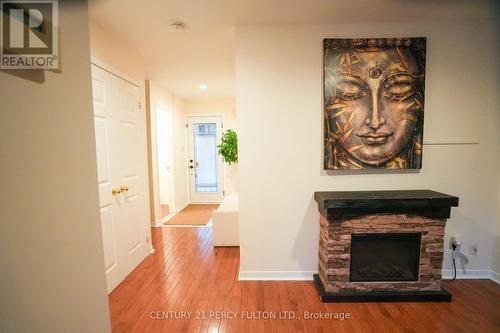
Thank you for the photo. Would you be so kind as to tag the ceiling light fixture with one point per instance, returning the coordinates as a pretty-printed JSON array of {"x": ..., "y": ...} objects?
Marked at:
[{"x": 203, "y": 86}]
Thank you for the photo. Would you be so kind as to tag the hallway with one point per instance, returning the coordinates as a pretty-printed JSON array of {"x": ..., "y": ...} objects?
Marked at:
[{"x": 186, "y": 277}]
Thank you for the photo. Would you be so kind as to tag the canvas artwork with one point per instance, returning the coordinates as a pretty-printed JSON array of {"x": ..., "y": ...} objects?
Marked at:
[{"x": 373, "y": 103}]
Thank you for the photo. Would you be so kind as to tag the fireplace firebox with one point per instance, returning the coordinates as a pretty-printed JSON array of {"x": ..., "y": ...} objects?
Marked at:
[
  {"x": 385, "y": 257},
  {"x": 379, "y": 246}
]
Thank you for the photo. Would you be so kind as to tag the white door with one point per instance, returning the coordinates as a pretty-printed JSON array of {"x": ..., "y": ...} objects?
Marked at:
[
  {"x": 164, "y": 143},
  {"x": 122, "y": 179},
  {"x": 205, "y": 165}
]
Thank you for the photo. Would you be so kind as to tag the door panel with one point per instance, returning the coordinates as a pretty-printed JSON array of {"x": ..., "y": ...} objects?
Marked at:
[
  {"x": 121, "y": 162},
  {"x": 110, "y": 261},
  {"x": 135, "y": 236},
  {"x": 101, "y": 82},
  {"x": 102, "y": 150},
  {"x": 131, "y": 173},
  {"x": 205, "y": 165}
]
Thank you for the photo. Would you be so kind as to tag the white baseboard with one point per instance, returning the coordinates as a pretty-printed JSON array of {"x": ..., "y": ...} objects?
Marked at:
[
  {"x": 495, "y": 276},
  {"x": 182, "y": 207},
  {"x": 157, "y": 224},
  {"x": 162, "y": 222},
  {"x": 469, "y": 274},
  {"x": 166, "y": 218},
  {"x": 308, "y": 275},
  {"x": 276, "y": 275}
]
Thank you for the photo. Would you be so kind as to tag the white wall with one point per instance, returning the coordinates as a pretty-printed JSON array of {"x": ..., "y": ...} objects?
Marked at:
[
  {"x": 159, "y": 97},
  {"x": 164, "y": 156},
  {"x": 108, "y": 48},
  {"x": 219, "y": 107},
  {"x": 51, "y": 256},
  {"x": 279, "y": 102},
  {"x": 180, "y": 153}
]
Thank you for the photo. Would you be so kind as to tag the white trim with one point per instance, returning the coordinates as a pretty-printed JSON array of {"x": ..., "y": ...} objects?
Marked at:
[
  {"x": 495, "y": 276},
  {"x": 156, "y": 224},
  {"x": 155, "y": 112},
  {"x": 104, "y": 66},
  {"x": 469, "y": 274},
  {"x": 475, "y": 274},
  {"x": 168, "y": 217},
  {"x": 203, "y": 115},
  {"x": 450, "y": 142},
  {"x": 180, "y": 209},
  {"x": 153, "y": 140},
  {"x": 276, "y": 275}
]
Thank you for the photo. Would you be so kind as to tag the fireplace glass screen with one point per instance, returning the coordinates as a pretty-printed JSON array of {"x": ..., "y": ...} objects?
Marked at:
[{"x": 385, "y": 257}]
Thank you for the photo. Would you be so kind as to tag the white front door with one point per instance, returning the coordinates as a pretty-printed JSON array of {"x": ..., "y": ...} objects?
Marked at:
[
  {"x": 205, "y": 165},
  {"x": 122, "y": 179}
]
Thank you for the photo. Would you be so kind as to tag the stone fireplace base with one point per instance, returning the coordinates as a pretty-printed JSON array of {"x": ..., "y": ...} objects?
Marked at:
[
  {"x": 380, "y": 296},
  {"x": 383, "y": 214},
  {"x": 335, "y": 255}
]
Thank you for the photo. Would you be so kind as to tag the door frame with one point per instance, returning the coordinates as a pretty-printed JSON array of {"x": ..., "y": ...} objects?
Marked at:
[
  {"x": 156, "y": 220},
  {"x": 142, "y": 99},
  {"x": 155, "y": 167},
  {"x": 221, "y": 162},
  {"x": 110, "y": 69},
  {"x": 154, "y": 179}
]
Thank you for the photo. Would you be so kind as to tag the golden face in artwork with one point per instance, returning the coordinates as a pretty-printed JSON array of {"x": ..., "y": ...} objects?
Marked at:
[{"x": 374, "y": 103}]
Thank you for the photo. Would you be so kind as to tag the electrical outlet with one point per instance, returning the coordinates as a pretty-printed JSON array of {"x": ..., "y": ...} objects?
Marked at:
[
  {"x": 455, "y": 240},
  {"x": 473, "y": 249}
]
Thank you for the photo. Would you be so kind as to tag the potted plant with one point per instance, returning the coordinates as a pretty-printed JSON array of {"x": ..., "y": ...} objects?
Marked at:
[{"x": 228, "y": 148}]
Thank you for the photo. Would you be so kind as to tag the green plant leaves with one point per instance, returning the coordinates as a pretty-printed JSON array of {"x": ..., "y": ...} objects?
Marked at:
[{"x": 228, "y": 148}]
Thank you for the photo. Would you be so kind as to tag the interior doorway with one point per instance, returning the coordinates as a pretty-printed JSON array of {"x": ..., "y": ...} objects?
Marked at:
[
  {"x": 205, "y": 165},
  {"x": 164, "y": 151}
]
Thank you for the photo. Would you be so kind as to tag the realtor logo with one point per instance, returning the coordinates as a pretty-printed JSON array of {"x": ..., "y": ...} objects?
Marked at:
[{"x": 29, "y": 36}]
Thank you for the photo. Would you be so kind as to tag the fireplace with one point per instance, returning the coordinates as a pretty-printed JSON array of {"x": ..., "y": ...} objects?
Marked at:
[
  {"x": 382, "y": 245},
  {"x": 385, "y": 257}
]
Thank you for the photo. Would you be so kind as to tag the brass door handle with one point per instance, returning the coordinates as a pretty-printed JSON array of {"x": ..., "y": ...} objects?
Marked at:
[{"x": 118, "y": 190}]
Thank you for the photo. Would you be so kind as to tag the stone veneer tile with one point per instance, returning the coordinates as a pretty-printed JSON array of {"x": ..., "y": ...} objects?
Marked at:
[{"x": 335, "y": 242}]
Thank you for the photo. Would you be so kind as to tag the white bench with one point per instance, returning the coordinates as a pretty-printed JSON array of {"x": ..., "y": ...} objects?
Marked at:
[{"x": 225, "y": 222}]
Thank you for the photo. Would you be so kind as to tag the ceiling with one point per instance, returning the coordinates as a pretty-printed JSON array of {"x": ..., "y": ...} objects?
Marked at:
[{"x": 204, "y": 52}]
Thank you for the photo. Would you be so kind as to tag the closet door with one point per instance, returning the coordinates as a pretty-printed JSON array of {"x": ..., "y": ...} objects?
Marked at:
[{"x": 122, "y": 179}]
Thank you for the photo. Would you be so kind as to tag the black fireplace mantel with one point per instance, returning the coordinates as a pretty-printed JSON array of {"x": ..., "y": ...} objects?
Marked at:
[{"x": 338, "y": 205}]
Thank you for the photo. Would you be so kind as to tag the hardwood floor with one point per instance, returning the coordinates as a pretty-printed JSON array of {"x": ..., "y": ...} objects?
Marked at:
[{"x": 186, "y": 276}]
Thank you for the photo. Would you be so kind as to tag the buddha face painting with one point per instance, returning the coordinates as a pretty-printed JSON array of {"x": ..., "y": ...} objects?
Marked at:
[{"x": 374, "y": 103}]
